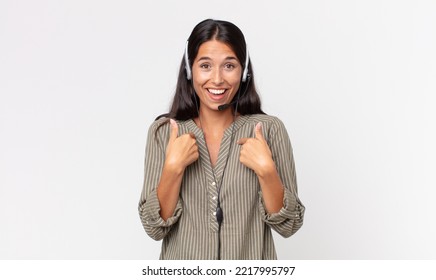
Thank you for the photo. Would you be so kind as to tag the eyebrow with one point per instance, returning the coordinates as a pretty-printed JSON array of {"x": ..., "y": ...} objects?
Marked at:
[{"x": 208, "y": 58}]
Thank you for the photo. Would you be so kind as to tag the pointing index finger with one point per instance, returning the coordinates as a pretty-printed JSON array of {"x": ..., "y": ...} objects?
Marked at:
[
  {"x": 192, "y": 135},
  {"x": 242, "y": 141}
]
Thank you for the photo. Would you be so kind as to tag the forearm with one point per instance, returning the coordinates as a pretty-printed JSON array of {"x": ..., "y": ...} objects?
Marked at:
[
  {"x": 272, "y": 189},
  {"x": 168, "y": 190}
]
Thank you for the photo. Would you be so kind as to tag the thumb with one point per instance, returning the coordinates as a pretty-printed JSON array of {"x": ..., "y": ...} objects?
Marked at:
[
  {"x": 258, "y": 131},
  {"x": 174, "y": 129}
]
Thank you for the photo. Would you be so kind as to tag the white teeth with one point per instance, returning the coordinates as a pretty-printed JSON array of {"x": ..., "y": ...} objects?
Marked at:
[{"x": 217, "y": 91}]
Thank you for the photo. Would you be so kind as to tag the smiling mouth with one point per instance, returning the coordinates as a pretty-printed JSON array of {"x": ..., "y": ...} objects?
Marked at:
[{"x": 216, "y": 91}]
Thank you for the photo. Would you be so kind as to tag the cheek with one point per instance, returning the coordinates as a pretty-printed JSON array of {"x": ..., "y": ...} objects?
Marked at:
[
  {"x": 234, "y": 80},
  {"x": 200, "y": 78}
]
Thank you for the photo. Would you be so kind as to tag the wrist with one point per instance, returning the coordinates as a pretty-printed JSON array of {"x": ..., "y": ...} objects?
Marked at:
[
  {"x": 173, "y": 168},
  {"x": 267, "y": 170}
]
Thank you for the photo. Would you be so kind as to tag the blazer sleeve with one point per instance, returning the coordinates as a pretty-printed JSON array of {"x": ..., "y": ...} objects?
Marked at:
[
  {"x": 290, "y": 217},
  {"x": 149, "y": 207}
]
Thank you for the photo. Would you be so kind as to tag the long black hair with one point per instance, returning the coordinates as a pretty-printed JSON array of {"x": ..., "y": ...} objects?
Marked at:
[{"x": 184, "y": 104}]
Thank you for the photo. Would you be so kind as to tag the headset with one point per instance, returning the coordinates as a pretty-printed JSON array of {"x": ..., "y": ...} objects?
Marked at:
[{"x": 189, "y": 72}]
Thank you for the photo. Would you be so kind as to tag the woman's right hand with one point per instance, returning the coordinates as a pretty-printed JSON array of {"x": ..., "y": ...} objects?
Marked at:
[{"x": 182, "y": 150}]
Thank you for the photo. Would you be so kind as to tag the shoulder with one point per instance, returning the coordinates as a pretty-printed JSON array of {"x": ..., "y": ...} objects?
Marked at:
[
  {"x": 159, "y": 127},
  {"x": 268, "y": 122},
  {"x": 273, "y": 128}
]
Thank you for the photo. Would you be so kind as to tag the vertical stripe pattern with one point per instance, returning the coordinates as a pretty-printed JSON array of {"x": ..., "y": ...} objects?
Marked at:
[{"x": 192, "y": 232}]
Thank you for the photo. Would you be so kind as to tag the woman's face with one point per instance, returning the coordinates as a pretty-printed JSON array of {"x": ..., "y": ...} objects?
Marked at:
[{"x": 216, "y": 74}]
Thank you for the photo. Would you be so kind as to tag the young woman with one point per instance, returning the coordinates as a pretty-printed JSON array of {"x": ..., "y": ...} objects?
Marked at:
[{"x": 219, "y": 172}]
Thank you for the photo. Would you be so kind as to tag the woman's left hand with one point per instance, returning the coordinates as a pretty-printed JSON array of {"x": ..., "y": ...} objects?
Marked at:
[{"x": 255, "y": 153}]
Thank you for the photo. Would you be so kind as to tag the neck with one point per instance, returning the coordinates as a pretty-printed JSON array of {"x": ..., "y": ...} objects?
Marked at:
[{"x": 215, "y": 120}]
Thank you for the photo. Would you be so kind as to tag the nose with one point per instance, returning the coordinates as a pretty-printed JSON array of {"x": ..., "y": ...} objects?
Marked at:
[{"x": 217, "y": 77}]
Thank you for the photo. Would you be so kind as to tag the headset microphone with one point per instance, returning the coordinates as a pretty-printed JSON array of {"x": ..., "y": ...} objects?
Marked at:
[{"x": 225, "y": 106}]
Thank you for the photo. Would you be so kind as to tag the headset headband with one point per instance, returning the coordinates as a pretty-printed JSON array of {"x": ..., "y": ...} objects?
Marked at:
[{"x": 188, "y": 66}]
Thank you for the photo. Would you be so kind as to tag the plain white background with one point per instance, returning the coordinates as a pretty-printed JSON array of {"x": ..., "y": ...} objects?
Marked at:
[{"x": 81, "y": 81}]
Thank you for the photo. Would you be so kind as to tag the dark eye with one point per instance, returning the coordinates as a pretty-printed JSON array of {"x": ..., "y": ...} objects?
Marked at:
[
  {"x": 204, "y": 66},
  {"x": 229, "y": 66}
]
